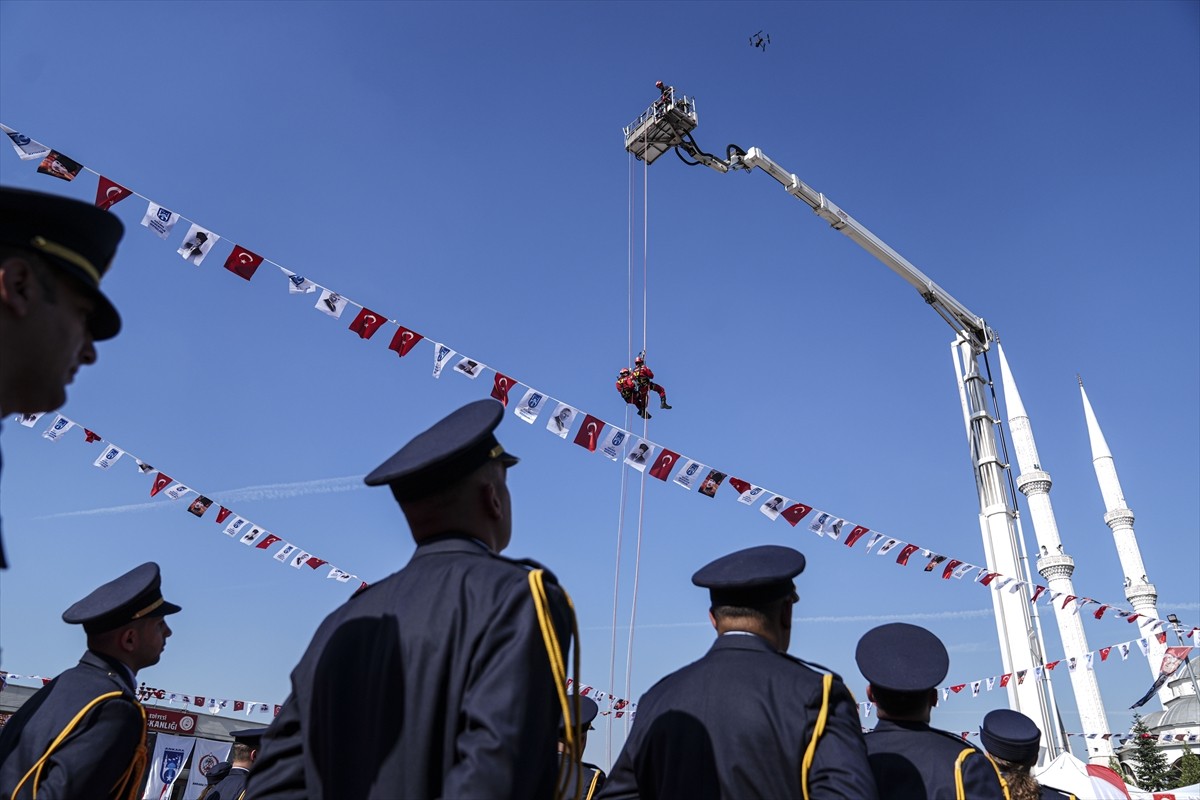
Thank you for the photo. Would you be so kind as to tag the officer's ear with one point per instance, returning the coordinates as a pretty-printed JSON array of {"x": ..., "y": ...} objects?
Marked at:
[
  {"x": 17, "y": 281},
  {"x": 870, "y": 693},
  {"x": 933, "y": 697}
]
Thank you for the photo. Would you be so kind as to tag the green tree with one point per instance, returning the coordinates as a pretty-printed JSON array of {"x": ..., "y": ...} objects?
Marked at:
[
  {"x": 1189, "y": 768},
  {"x": 1149, "y": 762}
]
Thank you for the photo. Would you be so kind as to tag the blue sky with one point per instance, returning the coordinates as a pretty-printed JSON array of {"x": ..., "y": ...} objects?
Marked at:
[{"x": 459, "y": 168}]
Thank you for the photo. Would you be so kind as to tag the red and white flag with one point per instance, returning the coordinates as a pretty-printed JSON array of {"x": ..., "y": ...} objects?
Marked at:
[
  {"x": 906, "y": 553},
  {"x": 298, "y": 284},
  {"x": 314, "y": 562},
  {"x": 196, "y": 244},
  {"x": 663, "y": 465},
  {"x": 441, "y": 357},
  {"x": 242, "y": 262},
  {"x": 110, "y": 456},
  {"x": 222, "y": 514},
  {"x": 160, "y": 220},
  {"x": 500, "y": 387},
  {"x": 267, "y": 541},
  {"x": 588, "y": 435},
  {"x": 641, "y": 453},
  {"x": 795, "y": 512},
  {"x": 331, "y": 303},
  {"x": 56, "y": 165},
  {"x": 469, "y": 367},
  {"x": 27, "y": 149},
  {"x": 857, "y": 533},
  {"x": 530, "y": 406},
  {"x": 177, "y": 491},
  {"x": 57, "y": 428},
  {"x": 747, "y": 492},
  {"x": 560, "y": 421},
  {"x": 109, "y": 193},
  {"x": 774, "y": 506},
  {"x": 161, "y": 481},
  {"x": 404, "y": 341},
  {"x": 366, "y": 323},
  {"x": 690, "y": 474}
]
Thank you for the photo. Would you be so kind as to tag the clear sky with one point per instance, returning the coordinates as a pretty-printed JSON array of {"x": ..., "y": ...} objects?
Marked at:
[{"x": 460, "y": 169}]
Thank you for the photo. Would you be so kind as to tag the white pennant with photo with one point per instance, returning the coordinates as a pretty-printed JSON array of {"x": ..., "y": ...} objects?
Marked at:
[
  {"x": 177, "y": 491},
  {"x": 60, "y": 426},
  {"x": 530, "y": 406},
  {"x": 251, "y": 536},
  {"x": 560, "y": 421},
  {"x": 284, "y": 552},
  {"x": 196, "y": 244},
  {"x": 613, "y": 442},
  {"x": 641, "y": 453},
  {"x": 774, "y": 506},
  {"x": 207, "y": 755},
  {"x": 27, "y": 149},
  {"x": 300, "y": 558},
  {"x": 331, "y": 303},
  {"x": 110, "y": 456},
  {"x": 298, "y": 284},
  {"x": 470, "y": 368},
  {"x": 29, "y": 420},
  {"x": 160, "y": 220},
  {"x": 690, "y": 474},
  {"x": 441, "y": 356}
]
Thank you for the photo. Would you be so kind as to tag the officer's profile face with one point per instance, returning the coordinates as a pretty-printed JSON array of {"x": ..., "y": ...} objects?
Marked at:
[{"x": 148, "y": 641}]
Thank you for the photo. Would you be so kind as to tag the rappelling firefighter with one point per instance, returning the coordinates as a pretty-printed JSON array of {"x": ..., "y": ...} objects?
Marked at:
[{"x": 635, "y": 386}]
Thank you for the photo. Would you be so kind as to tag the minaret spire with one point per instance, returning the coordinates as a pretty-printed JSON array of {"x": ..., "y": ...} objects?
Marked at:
[
  {"x": 1138, "y": 589},
  {"x": 1056, "y": 567}
]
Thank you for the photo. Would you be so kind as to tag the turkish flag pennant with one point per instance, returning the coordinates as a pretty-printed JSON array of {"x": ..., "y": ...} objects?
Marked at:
[
  {"x": 958, "y": 688},
  {"x": 856, "y": 534},
  {"x": 1053, "y": 664},
  {"x": 366, "y": 323},
  {"x": 267, "y": 541},
  {"x": 1162, "y": 637},
  {"x": 242, "y": 262},
  {"x": 589, "y": 433},
  {"x": 905, "y": 553},
  {"x": 239, "y": 705},
  {"x": 1100, "y": 612},
  {"x": 500, "y": 387},
  {"x": 664, "y": 464},
  {"x": 1037, "y": 592},
  {"x": 92, "y": 436},
  {"x": 198, "y": 700},
  {"x": 314, "y": 562},
  {"x": 989, "y": 577},
  {"x": 404, "y": 341},
  {"x": 1132, "y": 617},
  {"x": 161, "y": 481},
  {"x": 109, "y": 193},
  {"x": 1068, "y": 599},
  {"x": 1104, "y": 651},
  {"x": 278, "y": 708},
  {"x": 739, "y": 485},
  {"x": 1004, "y": 679},
  {"x": 796, "y": 512},
  {"x": 222, "y": 514}
]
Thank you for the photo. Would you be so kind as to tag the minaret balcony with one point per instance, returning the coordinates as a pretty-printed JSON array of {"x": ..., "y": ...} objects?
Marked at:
[
  {"x": 1055, "y": 566},
  {"x": 1034, "y": 482}
]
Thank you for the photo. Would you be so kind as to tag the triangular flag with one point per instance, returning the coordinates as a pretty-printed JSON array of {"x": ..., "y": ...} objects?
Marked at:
[
  {"x": 27, "y": 149},
  {"x": 109, "y": 193},
  {"x": 161, "y": 481},
  {"x": 57, "y": 428},
  {"x": 441, "y": 355}
]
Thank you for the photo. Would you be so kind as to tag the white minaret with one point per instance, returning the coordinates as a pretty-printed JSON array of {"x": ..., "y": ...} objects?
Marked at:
[
  {"x": 1056, "y": 567},
  {"x": 1138, "y": 589}
]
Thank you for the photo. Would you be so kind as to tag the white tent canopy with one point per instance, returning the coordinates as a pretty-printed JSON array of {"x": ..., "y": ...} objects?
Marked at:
[{"x": 1090, "y": 782}]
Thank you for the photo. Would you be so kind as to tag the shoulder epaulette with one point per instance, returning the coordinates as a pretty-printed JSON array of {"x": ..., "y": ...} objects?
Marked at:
[
  {"x": 529, "y": 563},
  {"x": 816, "y": 667},
  {"x": 956, "y": 737}
]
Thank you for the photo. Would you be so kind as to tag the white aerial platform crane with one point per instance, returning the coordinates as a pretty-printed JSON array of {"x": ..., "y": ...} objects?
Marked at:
[{"x": 667, "y": 125}]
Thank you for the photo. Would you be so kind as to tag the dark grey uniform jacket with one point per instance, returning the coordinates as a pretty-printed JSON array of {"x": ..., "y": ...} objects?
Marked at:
[
  {"x": 913, "y": 761},
  {"x": 88, "y": 764},
  {"x": 737, "y": 724},
  {"x": 434, "y": 682}
]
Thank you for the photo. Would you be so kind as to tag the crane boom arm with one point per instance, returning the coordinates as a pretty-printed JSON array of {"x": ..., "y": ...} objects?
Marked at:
[{"x": 959, "y": 316}]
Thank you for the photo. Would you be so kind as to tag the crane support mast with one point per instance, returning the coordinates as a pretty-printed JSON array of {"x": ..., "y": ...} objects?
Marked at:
[{"x": 668, "y": 124}]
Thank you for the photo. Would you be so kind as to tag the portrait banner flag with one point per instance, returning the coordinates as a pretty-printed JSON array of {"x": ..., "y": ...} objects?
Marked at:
[
  {"x": 199, "y": 506},
  {"x": 441, "y": 356},
  {"x": 56, "y": 165},
  {"x": 29, "y": 420},
  {"x": 774, "y": 507},
  {"x": 196, "y": 244},
  {"x": 109, "y": 193},
  {"x": 142, "y": 466},
  {"x": 500, "y": 386},
  {"x": 27, "y": 149},
  {"x": 331, "y": 303},
  {"x": 60, "y": 426},
  {"x": 888, "y": 546},
  {"x": 171, "y": 752},
  {"x": 560, "y": 421},
  {"x": 640, "y": 454},
  {"x": 663, "y": 465},
  {"x": 404, "y": 340},
  {"x": 690, "y": 474},
  {"x": 366, "y": 323},
  {"x": 712, "y": 482},
  {"x": 469, "y": 367},
  {"x": 160, "y": 220},
  {"x": 588, "y": 436},
  {"x": 299, "y": 559},
  {"x": 297, "y": 284},
  {"x": 614, "y": 442},
  {"x": 530, "y": 406},
  {"x": 251, "y": 536},
  {"x": 242, "y": 262}
]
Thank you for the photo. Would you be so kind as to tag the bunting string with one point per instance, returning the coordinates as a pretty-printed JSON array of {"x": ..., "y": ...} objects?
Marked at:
[{"x": 593, "y": 433}]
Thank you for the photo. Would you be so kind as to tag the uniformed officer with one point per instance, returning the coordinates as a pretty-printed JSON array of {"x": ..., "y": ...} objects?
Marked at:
[
  {"x": 83, "y": 735},
  {"x": 232, "y": 786},
  {"x": 746, "y": 720},
  {"x": 1014, "y": 741},
  {"x": 447, "y": 678},
  {"x": 582, "y": 781},
  {"x": 53, "y": 252},
  {"x": 903, "y": 665}
]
